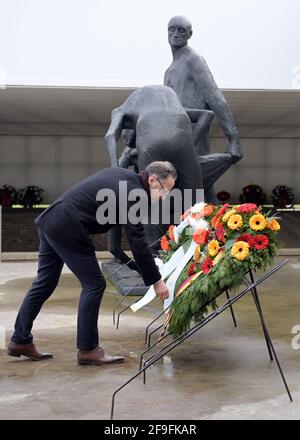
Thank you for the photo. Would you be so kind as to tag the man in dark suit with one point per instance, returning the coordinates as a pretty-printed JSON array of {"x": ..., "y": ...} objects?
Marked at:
[{"x": 64, "y": 230}]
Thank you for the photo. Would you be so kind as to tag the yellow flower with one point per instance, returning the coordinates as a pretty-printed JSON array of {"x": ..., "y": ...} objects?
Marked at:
[
  {"x": 273, "y": 224},
  {"x": 258, "y": 222},
  {"x": 197, "y": 254},
  {"x": 228, "y": 215},
  {"x": 235, "y": 221},
  {"x": 240, "y": 250},
  {"x": 213, "y": 248}
]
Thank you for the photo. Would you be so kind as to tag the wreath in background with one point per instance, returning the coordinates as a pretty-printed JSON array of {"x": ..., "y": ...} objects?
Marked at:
[
  {"x": 7, "y": 196},
  {"x": 282, "y": 196},
  {"x": 228, "y": 241},
  {"x": 30, "y": 196},
  {"x": 253, "y": 194},
  {"x": 223, "y": 196}
]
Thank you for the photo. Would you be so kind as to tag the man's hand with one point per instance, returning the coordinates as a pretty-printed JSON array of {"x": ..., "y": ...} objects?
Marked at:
[
  {"x": 161, "y": 290},
  {"x": 235, "y": 151}
]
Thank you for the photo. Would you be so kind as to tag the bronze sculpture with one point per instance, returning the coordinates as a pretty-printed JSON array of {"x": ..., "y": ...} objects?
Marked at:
[
  {"x": 196, "y": 88},
  {"x": 159, "y": 125}
]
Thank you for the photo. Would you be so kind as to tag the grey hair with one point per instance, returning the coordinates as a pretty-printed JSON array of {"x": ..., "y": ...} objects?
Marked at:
[{"x": 162, "y": 170}]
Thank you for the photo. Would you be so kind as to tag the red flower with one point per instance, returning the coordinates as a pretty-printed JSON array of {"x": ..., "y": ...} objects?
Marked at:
[
  {"x": 192, "y": 269},
  {"x": 223, "y": 210},
  {"x": 200, "y": 236},
  {"x": 220, "y": 231},
  {"x": 164, "y": 244},
  {"x": 260, "y": 242},
  {"x": 207, "y": 265},
  {"x": 248, "y": 238},
  {"x": 246, "y": 208}
]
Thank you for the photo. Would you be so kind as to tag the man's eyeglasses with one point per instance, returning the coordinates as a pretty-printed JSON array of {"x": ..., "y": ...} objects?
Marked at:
[{"x": 164, "y": 190}]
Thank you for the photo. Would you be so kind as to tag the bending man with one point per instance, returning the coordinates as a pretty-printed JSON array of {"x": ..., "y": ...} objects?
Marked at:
[{"x": 64, "y": 230}]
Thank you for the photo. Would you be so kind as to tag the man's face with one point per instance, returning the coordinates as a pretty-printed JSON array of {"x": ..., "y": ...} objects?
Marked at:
[
  {"x": 179, "y": 32},
  {"x": 159, "y": 189}
]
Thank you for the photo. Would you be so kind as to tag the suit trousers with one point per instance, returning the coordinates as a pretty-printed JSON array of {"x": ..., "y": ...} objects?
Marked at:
[{"x": 53, "y": 253}]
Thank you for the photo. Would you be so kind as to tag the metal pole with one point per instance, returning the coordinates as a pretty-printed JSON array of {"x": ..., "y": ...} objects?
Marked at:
[
  {"x": 189, "y": 333},
  {"x": 231, "y": 309},
  {"x": 152, "y": 322},
  {"x": 123, "y": 297},
  {"x": 118, "y": 270},
  {"x": 222, "y": 308},
  {"x": 260, "y": 313}
]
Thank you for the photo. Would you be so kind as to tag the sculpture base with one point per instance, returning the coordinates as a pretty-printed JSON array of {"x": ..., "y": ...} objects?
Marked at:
[{"x": 123, "y": 278}]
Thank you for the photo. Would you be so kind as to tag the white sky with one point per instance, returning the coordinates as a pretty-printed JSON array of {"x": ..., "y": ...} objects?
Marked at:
[{"x": 247, "y": 43}]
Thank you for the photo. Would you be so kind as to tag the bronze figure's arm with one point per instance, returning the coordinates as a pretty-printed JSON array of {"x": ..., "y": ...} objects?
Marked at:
[
  {"x": 113, "y": 134},
  {"x": 216, "y": 102}
]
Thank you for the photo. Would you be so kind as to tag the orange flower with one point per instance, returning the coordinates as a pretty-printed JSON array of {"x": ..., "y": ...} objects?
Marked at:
[
  {"x": 171, "y": 233},
  {"x": 197, "y": 254},
  {"x": 208, "y": 210},
  {"x": 164, "y": 244},
  {"x": 273, "y": 224},
  {"x": 215, "y": 221},
  {"x": 200, "y": 236}
]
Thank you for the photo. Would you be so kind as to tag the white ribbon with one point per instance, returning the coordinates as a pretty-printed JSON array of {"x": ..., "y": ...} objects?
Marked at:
[
  {"x": 178, "y": 261},
  {"x": 165, "y": 271},
  {"x": 171, "y": 269},
  {"x": 175, "y": 275},
  {"x": 178, "y": 230}
]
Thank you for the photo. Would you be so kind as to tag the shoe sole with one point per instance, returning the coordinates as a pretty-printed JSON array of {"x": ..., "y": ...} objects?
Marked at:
[
  {"x": 17, "y": 355},
  {"x": 10, "y": 353}
]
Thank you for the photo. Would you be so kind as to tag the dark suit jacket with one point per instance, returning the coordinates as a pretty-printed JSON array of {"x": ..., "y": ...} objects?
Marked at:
[{"x": 72, "y": 217}]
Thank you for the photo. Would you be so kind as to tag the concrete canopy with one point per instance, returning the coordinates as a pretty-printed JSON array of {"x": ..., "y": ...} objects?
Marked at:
[{"x": 86, "y": 111}]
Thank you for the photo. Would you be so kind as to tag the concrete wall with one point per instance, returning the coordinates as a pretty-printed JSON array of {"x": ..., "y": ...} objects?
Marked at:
[
  {"x": 267, "y": 162},
  {"x": 56, "y": 162},
  {"x": 52, "y": 162}
]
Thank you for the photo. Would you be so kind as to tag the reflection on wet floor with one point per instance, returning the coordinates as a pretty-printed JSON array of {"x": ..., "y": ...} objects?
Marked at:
[
  {"x": 289, "y": 235},
  {"x": 221, "y": 372}
]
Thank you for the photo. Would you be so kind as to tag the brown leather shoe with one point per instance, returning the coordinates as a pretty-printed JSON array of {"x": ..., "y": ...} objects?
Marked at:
[
  {"x": 97, "y": 357},
  {"x": 27, "y": 350}
]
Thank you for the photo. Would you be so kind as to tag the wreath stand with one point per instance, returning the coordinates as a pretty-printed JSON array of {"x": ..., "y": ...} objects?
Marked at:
[{"x": 145, "y": 363}]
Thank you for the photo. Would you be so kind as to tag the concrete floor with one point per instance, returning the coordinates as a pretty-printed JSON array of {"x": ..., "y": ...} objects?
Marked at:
[{"x": 221, "y": 373}]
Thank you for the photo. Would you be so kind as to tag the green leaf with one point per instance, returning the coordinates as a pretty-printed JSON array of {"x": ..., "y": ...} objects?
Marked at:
[
  {"x": 268, "y": 213},
  {"x": 187, "y": 233},
  {"x": 236, "y": 234},
  {"x": 187, "y": 244},
  {"x": 229, "y": 243}
]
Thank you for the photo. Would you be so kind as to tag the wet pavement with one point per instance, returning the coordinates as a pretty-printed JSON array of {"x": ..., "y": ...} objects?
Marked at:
[{"x": 222, "y": 372}]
